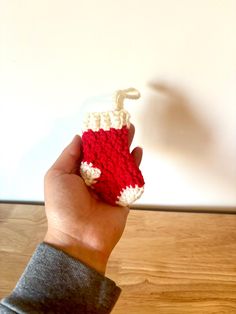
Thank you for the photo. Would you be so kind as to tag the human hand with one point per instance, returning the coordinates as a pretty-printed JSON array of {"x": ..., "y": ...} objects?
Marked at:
[{"x": 78, "y": 222}]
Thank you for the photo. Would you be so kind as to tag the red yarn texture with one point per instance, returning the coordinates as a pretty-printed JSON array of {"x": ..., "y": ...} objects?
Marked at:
[{"x": 109, "y": 151}]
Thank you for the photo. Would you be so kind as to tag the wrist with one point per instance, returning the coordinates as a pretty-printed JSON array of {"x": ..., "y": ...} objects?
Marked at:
[{"x": 77, "y": 250}]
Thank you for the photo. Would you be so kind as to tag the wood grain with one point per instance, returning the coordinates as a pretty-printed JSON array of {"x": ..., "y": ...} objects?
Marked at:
[{"x": 165, "y": 262}]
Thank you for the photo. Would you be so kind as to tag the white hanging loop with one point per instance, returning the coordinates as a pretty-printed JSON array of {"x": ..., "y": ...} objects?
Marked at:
[{"x": 121, "y": 95}]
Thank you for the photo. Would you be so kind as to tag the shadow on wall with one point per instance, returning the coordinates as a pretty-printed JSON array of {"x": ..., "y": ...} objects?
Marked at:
[
  {"x": 171, "y": 127},
  {"x": 170, "y": 124}
]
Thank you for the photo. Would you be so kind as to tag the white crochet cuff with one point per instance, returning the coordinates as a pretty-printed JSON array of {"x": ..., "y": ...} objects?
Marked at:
[{"x": 106, "y": 120}]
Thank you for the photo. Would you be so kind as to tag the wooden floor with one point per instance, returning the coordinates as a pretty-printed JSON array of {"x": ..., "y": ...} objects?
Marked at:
[{"x": 165, "y": 263}]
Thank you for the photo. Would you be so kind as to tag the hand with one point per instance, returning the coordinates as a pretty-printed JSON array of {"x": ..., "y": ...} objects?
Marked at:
[{"x": 78, "y": 222}]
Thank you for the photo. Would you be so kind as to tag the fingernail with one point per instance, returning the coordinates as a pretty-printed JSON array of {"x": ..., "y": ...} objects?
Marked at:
[{"x": 76, "y": 138}]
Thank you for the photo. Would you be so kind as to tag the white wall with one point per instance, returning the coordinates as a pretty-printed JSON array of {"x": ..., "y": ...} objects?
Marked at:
[{"x": 56, "y": 57}]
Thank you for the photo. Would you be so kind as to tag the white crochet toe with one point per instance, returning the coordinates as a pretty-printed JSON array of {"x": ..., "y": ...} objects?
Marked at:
[{"x": 129, "y": 195}]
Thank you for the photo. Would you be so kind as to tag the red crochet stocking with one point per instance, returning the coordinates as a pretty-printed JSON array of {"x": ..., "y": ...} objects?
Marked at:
[{"x": 107, "y": 166}]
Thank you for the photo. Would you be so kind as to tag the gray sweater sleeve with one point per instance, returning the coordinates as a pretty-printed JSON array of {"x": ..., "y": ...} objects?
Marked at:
[{"x": 54, "y": 282}]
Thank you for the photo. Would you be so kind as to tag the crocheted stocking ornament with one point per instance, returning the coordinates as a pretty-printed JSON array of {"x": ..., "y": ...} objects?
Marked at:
[{"x": 107, "y": 165}]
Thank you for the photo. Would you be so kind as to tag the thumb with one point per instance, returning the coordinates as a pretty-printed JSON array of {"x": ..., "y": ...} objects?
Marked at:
[{"x": 68, "y": 161}]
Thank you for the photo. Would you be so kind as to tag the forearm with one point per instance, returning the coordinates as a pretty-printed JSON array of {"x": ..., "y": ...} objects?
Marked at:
[
  {"x": 83, "y": 252},
  {"x": 56, "y": 282}
]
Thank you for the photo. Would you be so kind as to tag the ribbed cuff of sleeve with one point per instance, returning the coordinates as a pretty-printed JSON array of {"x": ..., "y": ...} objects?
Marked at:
[{"x": 54, "y": 282}]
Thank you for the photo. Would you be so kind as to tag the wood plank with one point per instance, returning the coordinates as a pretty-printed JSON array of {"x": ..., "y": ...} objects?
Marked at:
[
  {"x": 176, "y": 263},
  {"x": 165, "y": 262}
]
